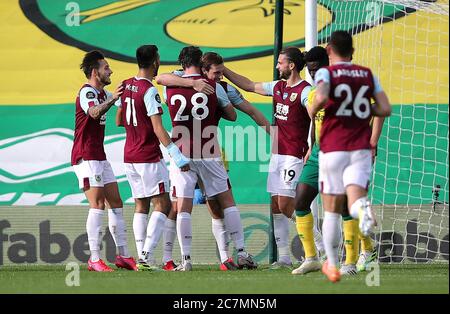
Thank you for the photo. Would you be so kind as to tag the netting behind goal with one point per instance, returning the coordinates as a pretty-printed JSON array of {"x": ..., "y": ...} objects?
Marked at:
[{"x": 406, "y": 44}]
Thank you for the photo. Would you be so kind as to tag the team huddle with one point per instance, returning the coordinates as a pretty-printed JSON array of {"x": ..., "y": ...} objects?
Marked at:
[{"x": 341, "y": 105}]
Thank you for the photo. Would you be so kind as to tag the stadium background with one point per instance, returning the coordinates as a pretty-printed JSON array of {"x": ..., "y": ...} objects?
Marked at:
[{"x": 40, "y": 78}]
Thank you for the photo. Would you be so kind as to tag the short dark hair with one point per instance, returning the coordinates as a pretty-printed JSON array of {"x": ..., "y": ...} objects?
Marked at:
[
  {"x": 91, "y": 61},
  {"x": 342, "y": 43},
  {"x": 294, "y": 55},
  {"x": 190, "y": 56},
  {"x": 209, "y": 59},
  {"x": 146, "y": 56},
  {"x": 317, "y": 54}
]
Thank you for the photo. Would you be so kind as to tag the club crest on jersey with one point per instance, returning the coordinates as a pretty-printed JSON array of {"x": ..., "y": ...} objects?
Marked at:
[
  {"x": 285, "y": 95},
  {"x": 90, "y": 95},
  {"x": 293, "y": 97}
]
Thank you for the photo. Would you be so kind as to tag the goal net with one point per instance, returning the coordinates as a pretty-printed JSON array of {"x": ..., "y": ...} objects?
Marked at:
[{"x": 406, "y": 44}]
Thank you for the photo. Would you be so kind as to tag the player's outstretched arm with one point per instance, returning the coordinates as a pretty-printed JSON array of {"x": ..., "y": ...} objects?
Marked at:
[
  {"x": 255, "y": 114},
  {"x": 382, "y": 106},
  {"x": 97, "y": 111},
  {"x": 244, "y": 83},
  {"x": 169, "y": 79},
  {"x": 180, "y": 160},
  {"x": 320, "y": 99},
  {"x": 228, "y": 113}
]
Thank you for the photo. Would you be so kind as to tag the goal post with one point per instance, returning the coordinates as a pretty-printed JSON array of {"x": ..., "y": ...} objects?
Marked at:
[{"x": 406, "y": 44}]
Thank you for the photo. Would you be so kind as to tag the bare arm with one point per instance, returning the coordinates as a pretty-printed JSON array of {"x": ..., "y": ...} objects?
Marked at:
[
  {"x": 382, "y": 106},
  {"x": 377, "y": 127},
  {"x": 119, "y": 121},
  {"x": 168, "y": 79},
  {"x": 97, "y": 111},
  {"x": 244, "y": 83},
  {"x": 228, "y": 113},
  {"x": 159, "y": 130},
  {"x": 255, "y": 114},
  {"x": 320, "y": 99}
]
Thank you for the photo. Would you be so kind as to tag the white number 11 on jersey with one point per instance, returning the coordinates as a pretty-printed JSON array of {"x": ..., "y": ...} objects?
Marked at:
[{"x": 130, "y": 111}]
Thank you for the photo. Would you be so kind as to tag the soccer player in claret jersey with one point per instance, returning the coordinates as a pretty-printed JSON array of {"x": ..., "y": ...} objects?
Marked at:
[
  {"x": 93, "y": 171},
  {"x": 194, "y": 121},
  {"x": 140, "y": 113},
  {"x": 345, "y": 159},
  {"x": 291, "y": 140},
  {"x": 212, "y": 68}
]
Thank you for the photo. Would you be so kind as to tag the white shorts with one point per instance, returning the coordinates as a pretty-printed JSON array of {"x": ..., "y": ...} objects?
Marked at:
[
  {"x": 147, "y": 179},
  {"x": 211, "y": 173},
  {"x": 284, "y": 171},
  {"x": 337, "y": 170},
  {"x": 94, "y": 173}
]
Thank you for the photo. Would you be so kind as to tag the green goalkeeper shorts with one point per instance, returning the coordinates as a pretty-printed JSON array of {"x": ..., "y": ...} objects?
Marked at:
[{"x": 310, "y": 172}]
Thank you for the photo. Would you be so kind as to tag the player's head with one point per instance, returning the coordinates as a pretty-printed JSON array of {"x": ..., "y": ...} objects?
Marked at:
[
  {"x": 147, "y": 56},
  {"x": 290, "y": 60},
  {"x": 341, "y": 45},
  {"x": 190, "y": 56},
  {"x": 315, "y": 59},
  {"x": 96, "y": 67},
  {"x": 212, "y": 66}
]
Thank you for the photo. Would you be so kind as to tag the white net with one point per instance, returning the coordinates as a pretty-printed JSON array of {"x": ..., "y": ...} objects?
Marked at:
[{"x": 406, "y": 44}]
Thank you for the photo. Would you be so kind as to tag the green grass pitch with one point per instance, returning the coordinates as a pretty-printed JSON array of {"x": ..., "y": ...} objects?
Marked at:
[{"x": 410, "y": 279}]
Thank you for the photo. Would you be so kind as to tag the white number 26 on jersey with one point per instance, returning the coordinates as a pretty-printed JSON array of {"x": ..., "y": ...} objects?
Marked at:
[
  {"x": 359, "y": 102},
  {"x": 198, "y": 101}
]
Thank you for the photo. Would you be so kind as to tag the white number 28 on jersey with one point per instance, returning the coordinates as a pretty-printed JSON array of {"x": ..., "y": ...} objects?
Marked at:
[
  {"x": 358, "y": 102},
  {"x": 198, "y": 101}
]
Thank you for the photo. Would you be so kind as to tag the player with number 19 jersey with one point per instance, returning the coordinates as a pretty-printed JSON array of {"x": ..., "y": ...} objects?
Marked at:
[{"x": 291, "y": 144}]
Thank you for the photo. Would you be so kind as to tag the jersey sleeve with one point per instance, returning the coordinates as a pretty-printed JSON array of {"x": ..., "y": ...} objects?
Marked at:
[
  {"x": 152, "y": 101},
  {"x": 304, "y": 96},
  {"x": 377, "y": 87},
  {"x": 268, "y": 87},
  {"x": 234, "y": 95},
  {"x": 222, "y": 97},
  {"x": 88, "y": 98},
  {"x": 323, "y": 75}
]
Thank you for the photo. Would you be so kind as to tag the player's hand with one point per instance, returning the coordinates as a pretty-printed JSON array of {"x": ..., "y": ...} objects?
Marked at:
[
  {"x": 117, "y": 92},
  {"x": 308, "y": 154},
  {"x": 203, "y": 86}
]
